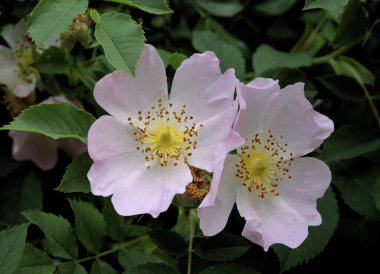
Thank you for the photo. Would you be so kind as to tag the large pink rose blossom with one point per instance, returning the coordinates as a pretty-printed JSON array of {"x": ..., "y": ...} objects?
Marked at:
[
  {"x": 41, "y": 149},
  {"x": 142, "y": 152},
  {"x": 275, "y": 191}
]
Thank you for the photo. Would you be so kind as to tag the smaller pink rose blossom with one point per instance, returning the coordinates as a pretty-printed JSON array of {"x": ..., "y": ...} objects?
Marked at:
[
  {"x": 275, "y": 189},
  {"x": 40, "y": 149}
]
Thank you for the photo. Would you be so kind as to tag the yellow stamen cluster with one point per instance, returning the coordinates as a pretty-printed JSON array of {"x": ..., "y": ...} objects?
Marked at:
[
  {"x": 164, "y": 134},
  {"x": 200, "y": 185},
  {"x": 23, "y": 55},
  {"x": 264, "y": 164}
]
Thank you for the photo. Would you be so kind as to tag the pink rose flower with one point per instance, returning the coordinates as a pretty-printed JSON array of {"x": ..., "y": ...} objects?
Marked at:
[
  {"x": 275, "y": 191},
  {"x": 143, "y": 151},
  {"x": 40, "y": 149}
]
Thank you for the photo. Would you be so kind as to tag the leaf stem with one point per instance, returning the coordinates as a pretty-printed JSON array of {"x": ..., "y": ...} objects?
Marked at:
[
  {"x": 115, "y": 248},
  {"x": 190, "y": 249},
  {"x": 327, "y": 57}
]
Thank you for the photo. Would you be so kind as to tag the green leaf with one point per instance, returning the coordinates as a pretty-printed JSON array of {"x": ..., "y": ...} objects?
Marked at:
[
  {"x": 129, "y": 259},
  {"x": 351, "y": 68},
  {"x": 318, "y": 235},
  {"x": 169, "y": 241},
  {"x": 19, "y": 192},
  {"x": 52, "y": 61},
  {"x": 222, "y": 247},
  {"x": 266, "y": 58},
  {"x": 152, "y": 6},
  {"x": 228, "y": 269},
  {"x": 350, "y": 142},
  {"x": 114, "y": 222},
  {"x": 60, "y": 239},
  {"x": 353, "y": 26},
  {"x": 376, "y": 193},
  {"x": 152, "y": 269},
  {"x": 95, "y": 16},
  {"x": 343, "y": 87},
  {"x": 122, "y": 46},
  {"x": 275, "y": 7},
  {"x": 12, "y": 243},
  {"x": 89, "y": 225},
  {"x": 7, "y": 164},
  {"x": 35, "y": 261},
  {"x": 47, "y": 119},
  {"x": 335, "y": 8},
  {"x": 101, "y": 267},
  {"x": 75, "y": 178},
  {"x": 51, "y": 17},
  {"x": 71, "y": 268},
  {"x": 221, "y": 8},
  {"x": 175, "y": 59},
  {"x": 357, "y": 186},
  {"x": 230, "y": 55}
]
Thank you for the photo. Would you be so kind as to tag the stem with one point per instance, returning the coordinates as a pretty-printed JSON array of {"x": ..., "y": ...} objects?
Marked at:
[
  {"x": 332, "y": 55},
  {"x": 115, "y": 248},
  {"x": 190, "y": 249},
  {"x": 372, "y": 104}
]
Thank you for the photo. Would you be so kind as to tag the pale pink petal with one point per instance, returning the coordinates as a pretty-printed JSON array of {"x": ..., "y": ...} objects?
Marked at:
[
  {"x": 254, "y": 100},
  {"x": 150, "y": 190},
  {"x": 16, "y": 34},
  {"x": 112, "y": 146},
  {"x": 72, "y": 147},
  {"x": 123, "y": 95},
  {"x": 310, "y": 179},
  {"x": 271, "y": 220},
  {"x": 292, "y": 116},
  {"x": 216, "y": 207},
  {"x": 18, "y": 86},
  {"x": 215, "y": 139},
  {"x": 199, "y": 84},
  {"x": 38, "y": 148},
  {"x": 6, "y": 59}
]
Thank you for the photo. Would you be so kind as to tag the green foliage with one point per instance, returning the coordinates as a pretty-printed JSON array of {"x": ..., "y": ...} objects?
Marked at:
[
  {"x": 18, "y": 193},
  {"x": 12, "y": 242},
  {"x": 221, "y": 8},
  {"x": 101, "y": 267},
  {"x": 346, "y": 143},
  {"x": 129, "y": 259},
  {"x": 47, "y": 119},
  {"x": 75, "y": 178},
  {"x": 275, "y": 7},
  {"x": 7, "y": 164},
  {"x": 89, "y": 225},
  {"x": 228, "y": 269},
  {"x": 52, "y": 61},
  {"x": 114, "y": 222},
  {"x": 357, "y": 186},
  {"x": 35, "y": 261},
  {"x": 334, "y": 8},
  {"x": 71, "y": 268},
  {"x": 152, "y": 6},
  {"x": 122, "y": 46},
  {"x": 169, "y": 241},
  {"x": 343, "y": 87},
  {"x": 222, "y": 247},
  {"x": 318, "y": 236},
  {"x": 230, "y": 55},
  {"x": 51, "y": 17},
  {"x": 152, "y": 269},
  {"x": 60, "y": 240},
  {"x": 266, "y": 58}
]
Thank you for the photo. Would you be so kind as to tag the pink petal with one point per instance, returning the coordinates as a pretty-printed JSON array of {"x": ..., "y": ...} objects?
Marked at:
[
  {"x": 215, "y": 139},
  {"x": 150, "y": 190},
  {"x": 123, "y": 95},
  {"x": 310, "y": 179},
  {"x": 292, "y": 115},
  {"x": 16, "y": 34},
  {"x": 216, "y": 207},
  {"x": 113, "y": 148},
  {"x": 38, "y": 148},
  {"x": 254, "y": 100},
  {"x": 271, "y": 220},
  {"x": 199, "y": 84}
]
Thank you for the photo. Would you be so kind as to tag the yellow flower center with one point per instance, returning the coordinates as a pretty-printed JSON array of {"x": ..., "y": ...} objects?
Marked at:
[
  {"x": 165, "y": 135},
  {"x": 264, "y": 164},
  {"x": 23, "y": 54}
]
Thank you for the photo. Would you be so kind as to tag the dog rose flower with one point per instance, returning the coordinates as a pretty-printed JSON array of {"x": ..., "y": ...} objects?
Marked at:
[
  {"x": 275, "y": 190},
  {"x": 143, "y": 152}
]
